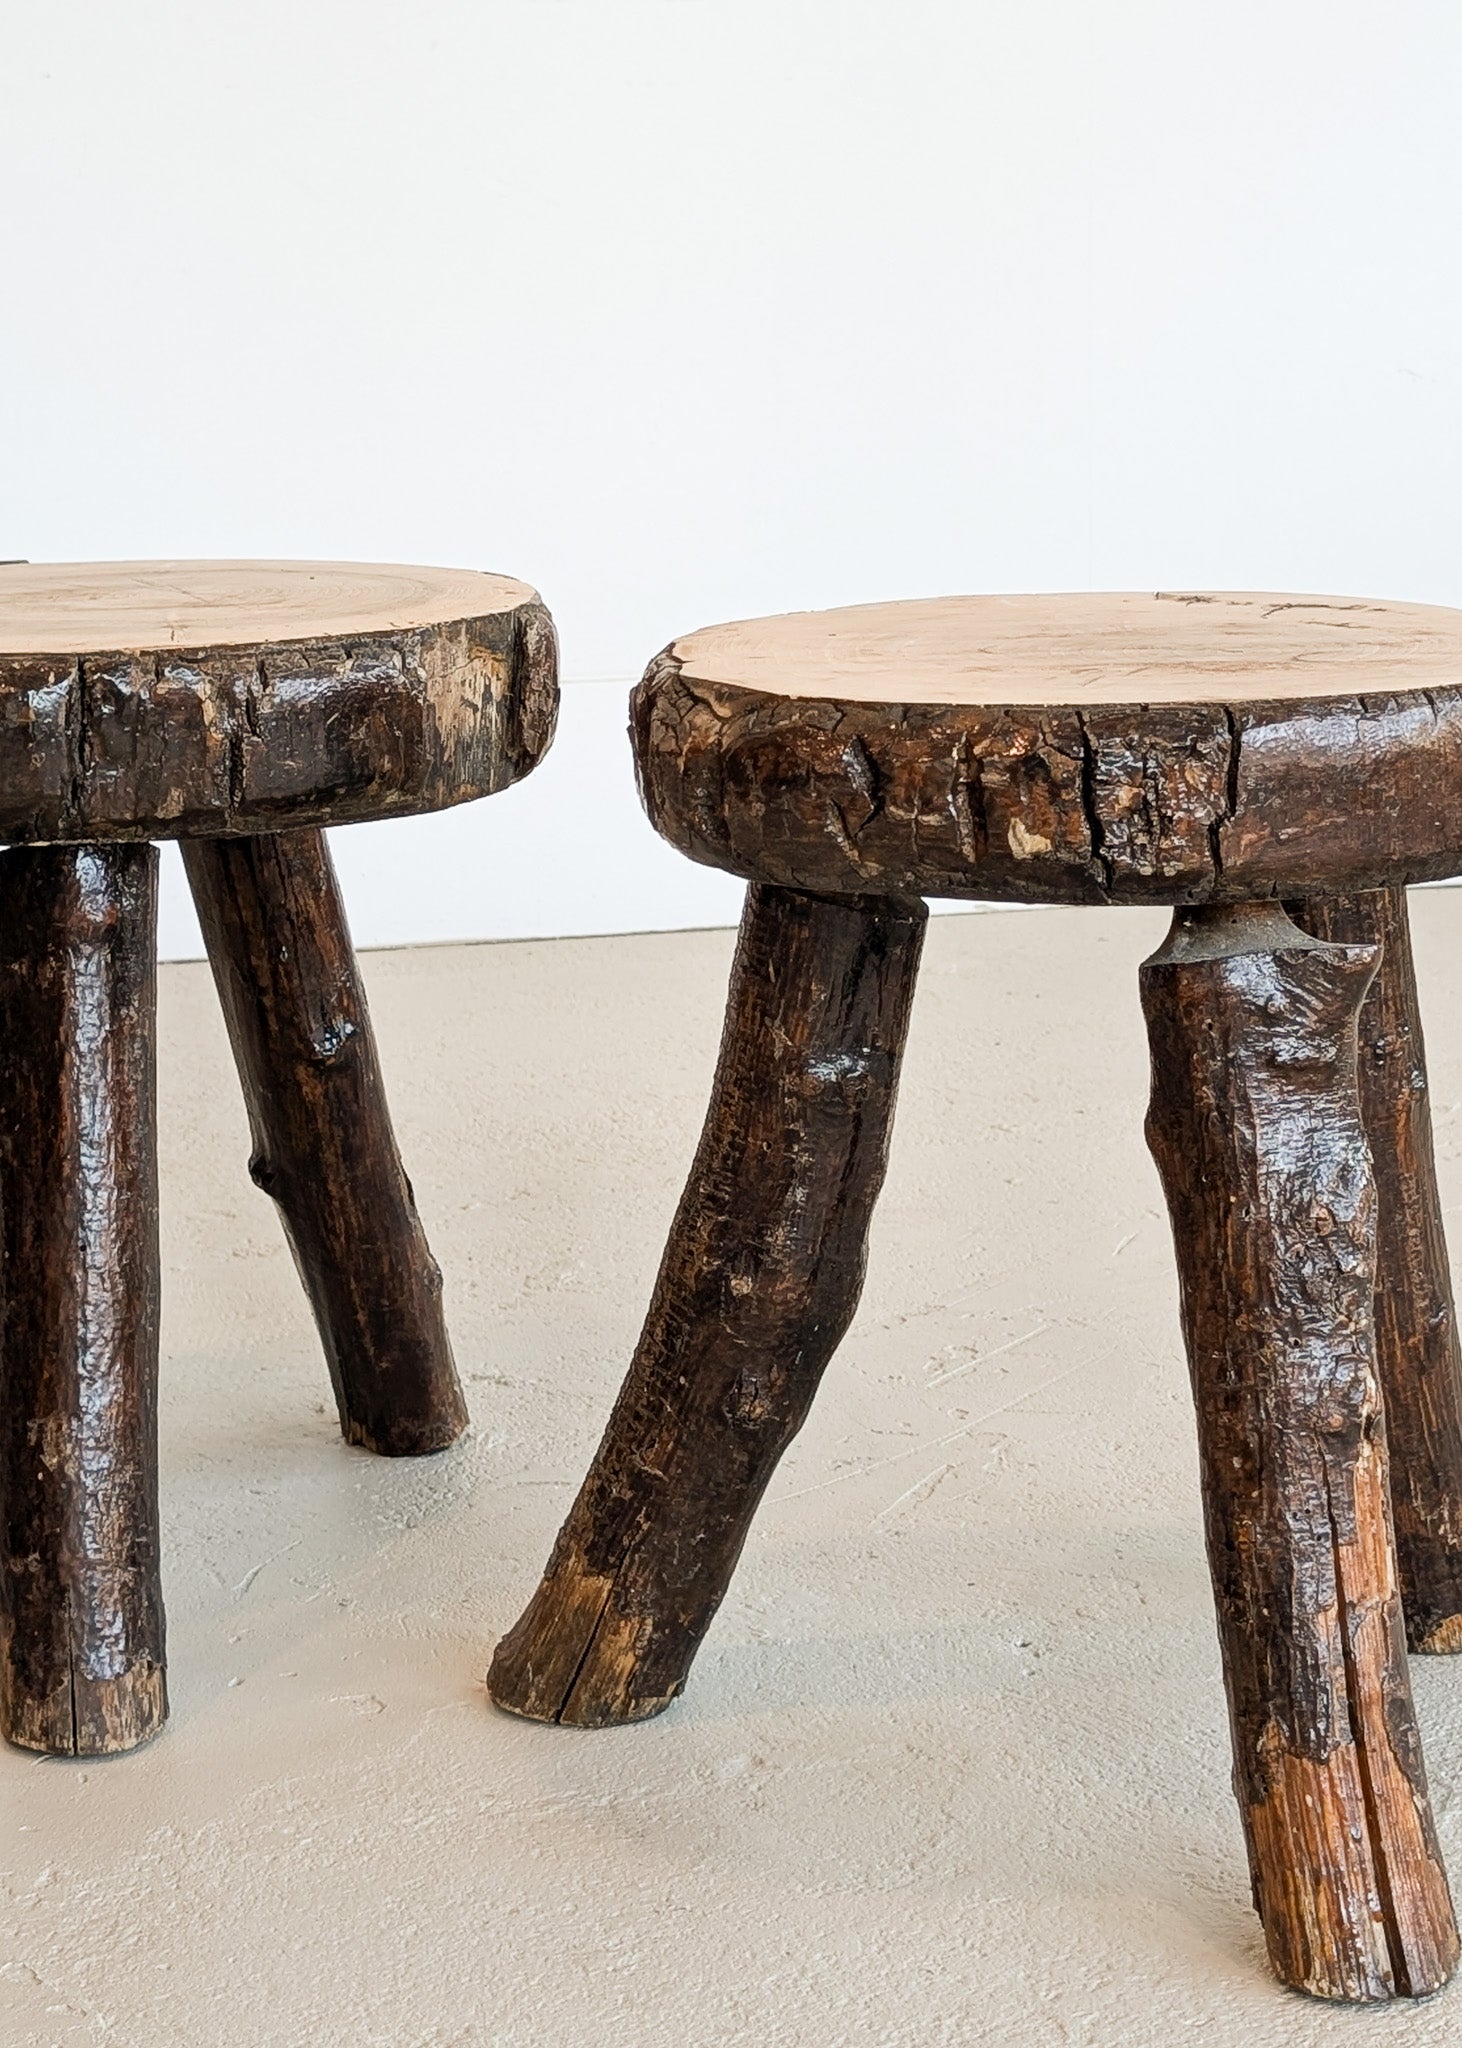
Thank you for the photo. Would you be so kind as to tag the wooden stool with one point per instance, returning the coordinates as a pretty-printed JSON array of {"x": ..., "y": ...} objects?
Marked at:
[
  {"x": 1218, "y": 753},
  {"x": 205, "y": 701}
]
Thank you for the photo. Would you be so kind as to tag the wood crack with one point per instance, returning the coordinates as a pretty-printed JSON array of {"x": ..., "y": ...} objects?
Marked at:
[
  {"x": 1255, "y": 1124},
  {"x": 80, "y": 737},
  {"x": 591, "y": 1642},
  {"x": 1230, "y": 794},
  {"x": 1101, "y": 865},
  {"x": 1360, "y": 1736}
]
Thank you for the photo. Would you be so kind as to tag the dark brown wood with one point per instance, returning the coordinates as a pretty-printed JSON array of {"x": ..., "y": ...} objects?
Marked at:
[
  {"x": 1194, "y": 749},
  {"x": 1416, "y": 1324},
  {"x": 277, "y": 938},
  {"x": 173, "y": 700},
  {"x": 254, "y": 713},
  {"x": 81, "y": 1617},
  {"x": 1256, "y": 1127},
  {"x": 759, "y": 1280},
  {"x": 1059, "y": 803}
]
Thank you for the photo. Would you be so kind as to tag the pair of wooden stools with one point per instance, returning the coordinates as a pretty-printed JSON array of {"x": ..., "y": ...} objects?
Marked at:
[{"x": 1277, "y": 769}]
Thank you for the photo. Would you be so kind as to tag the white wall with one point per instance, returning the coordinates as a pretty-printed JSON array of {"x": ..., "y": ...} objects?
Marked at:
[{"x": 687, "y": 310}]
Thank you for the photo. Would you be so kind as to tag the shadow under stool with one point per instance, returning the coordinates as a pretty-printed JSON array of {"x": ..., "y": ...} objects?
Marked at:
[
  {"x": 237, "y": 707},
  {"x": 1276, "y": 769}
]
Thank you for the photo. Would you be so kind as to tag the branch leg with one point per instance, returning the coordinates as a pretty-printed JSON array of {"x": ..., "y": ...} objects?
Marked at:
[
  {"x": 758, "y": 1283},
  {"x": 82, "y": 1668},
  {"x": 1256, "y": 1127},
  {"x": 1416, "y": 1327},
  {"x": 291, "y": 992}
]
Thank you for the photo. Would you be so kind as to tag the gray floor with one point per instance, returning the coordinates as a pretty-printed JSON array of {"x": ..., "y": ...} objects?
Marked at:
[{"x": 952, "y": 1768}]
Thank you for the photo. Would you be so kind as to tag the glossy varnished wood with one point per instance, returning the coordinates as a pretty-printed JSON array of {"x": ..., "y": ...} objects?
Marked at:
[
  {"x": 167, "y": 700},
  {"x": 759, "y": 1280},
  {"x": 1214, "y": 751},
  {"x": 81, "y": 1617},
  {"x": 1256, "y": 1127},
  {"x": 324, "y": 1148},
  {"x": 1416, "y": 1323},
  {"x": 214, "y": 703},
  {"x": 1178, "y": 748}
]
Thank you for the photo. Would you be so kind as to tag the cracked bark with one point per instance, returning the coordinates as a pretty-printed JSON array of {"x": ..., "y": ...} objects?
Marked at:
[
  {"x": 1139, "y": 803},
  {"x": 1416, "y": 1327},
  {"x": 187, "y": 742},
  {"x": 1094, "y": 823},
  {"x": 81, "y": 1617},
  {"x": 287, "y": 979},
  {"x": 759, "y": 1280},
  {"x": 1256, "y": 1127},
  {"x": 839, "y": 754}
]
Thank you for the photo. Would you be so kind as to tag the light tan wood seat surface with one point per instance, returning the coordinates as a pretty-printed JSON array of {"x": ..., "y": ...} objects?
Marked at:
[
  {"x": 100, "y": 607},
  {"x": 1160, "y": 747},
  {"x": 1204, "y": 750},
  {"x": 1104, "y": 647}
]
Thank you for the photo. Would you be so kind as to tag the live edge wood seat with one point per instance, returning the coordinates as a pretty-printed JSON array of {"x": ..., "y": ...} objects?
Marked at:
[
  {"x": 1276, "y": 769},
  {"x": 237, "y": 707}
]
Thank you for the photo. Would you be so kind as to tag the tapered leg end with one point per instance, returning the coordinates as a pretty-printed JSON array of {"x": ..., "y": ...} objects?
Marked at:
[
  {"x": 324, "y": 1149},
  {"x": 88, "y": 1716},
  {"x": 759, "y": 1281},
  {"x": 397, "y": 1435},
  {"x": 572, "y": 1659},
  {"x": 1256, "y": 1127}
]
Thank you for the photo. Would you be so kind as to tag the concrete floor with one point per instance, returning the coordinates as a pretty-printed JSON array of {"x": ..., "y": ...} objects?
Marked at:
[{"x": 953, "y": 1765}]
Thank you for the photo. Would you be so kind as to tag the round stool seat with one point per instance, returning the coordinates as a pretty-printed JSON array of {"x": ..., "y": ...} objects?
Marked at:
[
  {"x": 1168, "y": 747},
  {"x": 166, "y": 700},
  {"x": 1207, "y": 750},
  {"x": 238, "y": 707}
]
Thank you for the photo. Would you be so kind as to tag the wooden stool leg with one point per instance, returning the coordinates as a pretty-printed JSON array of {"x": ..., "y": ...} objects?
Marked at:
[
  {"x": 280, "y": 950},
  {"x": 81, "y": 1618},
  {"x": 758, "y": 1283},
  {"x": 1416, "y": 1327},
  {"x": 1255, "y": 1124}
]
